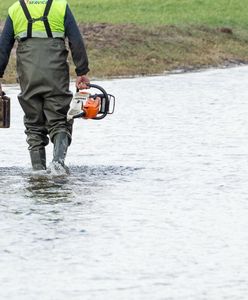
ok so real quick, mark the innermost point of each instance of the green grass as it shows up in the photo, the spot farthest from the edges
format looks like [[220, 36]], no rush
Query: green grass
[[157, 12], [132, 37]]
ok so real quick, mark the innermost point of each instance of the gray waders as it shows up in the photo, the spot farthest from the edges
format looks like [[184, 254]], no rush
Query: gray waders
[[43, 74]]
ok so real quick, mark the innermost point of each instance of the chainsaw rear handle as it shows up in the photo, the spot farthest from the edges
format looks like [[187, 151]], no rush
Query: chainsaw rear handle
[[102, 114]]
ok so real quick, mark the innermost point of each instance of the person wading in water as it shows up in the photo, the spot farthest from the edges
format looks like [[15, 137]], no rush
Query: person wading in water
[[40, 28]]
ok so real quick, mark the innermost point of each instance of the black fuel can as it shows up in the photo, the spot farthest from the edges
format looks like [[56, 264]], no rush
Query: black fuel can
[[4, 111]]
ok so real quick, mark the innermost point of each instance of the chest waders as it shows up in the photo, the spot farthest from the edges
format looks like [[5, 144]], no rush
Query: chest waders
[[43, 74]]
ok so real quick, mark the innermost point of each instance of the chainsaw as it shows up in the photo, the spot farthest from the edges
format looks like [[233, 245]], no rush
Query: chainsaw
[[94, 105]]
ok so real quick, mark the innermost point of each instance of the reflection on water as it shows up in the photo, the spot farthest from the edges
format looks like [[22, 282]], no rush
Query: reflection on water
[[47, 188], [50, 190]]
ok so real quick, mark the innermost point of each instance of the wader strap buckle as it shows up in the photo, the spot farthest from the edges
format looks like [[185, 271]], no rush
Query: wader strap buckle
[[33, 20]]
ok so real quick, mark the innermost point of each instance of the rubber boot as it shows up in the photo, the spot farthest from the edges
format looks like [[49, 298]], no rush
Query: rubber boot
[[38, 159], [61, 143]]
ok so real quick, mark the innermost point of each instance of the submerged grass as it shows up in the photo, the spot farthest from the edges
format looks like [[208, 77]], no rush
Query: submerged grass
[[126, 37]]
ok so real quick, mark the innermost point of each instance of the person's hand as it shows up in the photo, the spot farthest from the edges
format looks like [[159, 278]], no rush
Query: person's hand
[[82, 82]]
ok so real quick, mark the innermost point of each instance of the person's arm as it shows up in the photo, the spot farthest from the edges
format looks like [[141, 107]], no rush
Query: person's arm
[[77, 48], [7, 40]]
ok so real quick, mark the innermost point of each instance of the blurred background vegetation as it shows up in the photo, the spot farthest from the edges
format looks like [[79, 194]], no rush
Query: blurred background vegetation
[[127, 37], [157, 12]]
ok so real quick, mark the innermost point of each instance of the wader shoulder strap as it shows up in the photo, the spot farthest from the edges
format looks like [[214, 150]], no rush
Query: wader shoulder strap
[[32, 20], [29, 18], [45, 20]]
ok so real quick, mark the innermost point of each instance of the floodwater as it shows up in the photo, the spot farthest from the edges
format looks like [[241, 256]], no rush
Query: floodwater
[[155, 207]]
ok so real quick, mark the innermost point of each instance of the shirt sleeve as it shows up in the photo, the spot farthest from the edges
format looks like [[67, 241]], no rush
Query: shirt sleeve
[[7, 40], [76, 44]]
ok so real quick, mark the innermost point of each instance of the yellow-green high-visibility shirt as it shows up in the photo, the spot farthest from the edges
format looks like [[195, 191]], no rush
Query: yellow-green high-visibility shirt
[[36, 9]]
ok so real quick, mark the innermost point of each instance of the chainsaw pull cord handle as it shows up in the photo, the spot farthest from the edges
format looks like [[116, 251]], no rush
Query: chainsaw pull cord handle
[[103, 115]]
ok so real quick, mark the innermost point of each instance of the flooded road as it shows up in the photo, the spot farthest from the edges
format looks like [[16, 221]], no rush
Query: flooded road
[[155, 207]]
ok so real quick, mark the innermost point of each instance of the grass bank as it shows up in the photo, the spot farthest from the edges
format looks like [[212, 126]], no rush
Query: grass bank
[[157, 12], [125, 37]]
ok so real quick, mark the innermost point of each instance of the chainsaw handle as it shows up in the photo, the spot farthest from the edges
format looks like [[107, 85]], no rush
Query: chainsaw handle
[[95, 86]]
